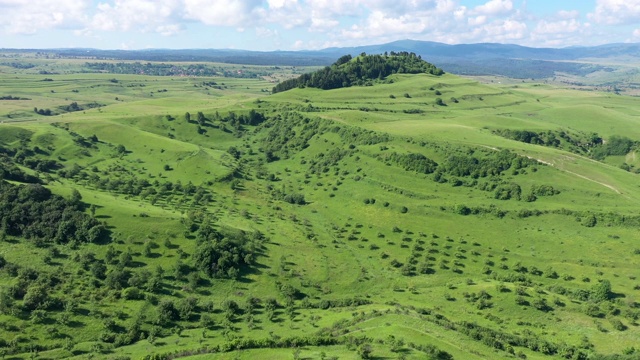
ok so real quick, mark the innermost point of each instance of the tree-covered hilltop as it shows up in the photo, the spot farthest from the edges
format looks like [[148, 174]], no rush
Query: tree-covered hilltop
[[348, 71]]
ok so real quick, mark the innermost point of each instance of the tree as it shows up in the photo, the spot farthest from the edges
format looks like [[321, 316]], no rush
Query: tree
[[201, 119], [38, 316], [166, 312], [186, 307], [590, 221], [99, 270], [601, 291], [187, 117], [117, 278], [35, 297], [364, 351], [75, 198], [148, 246], [6, 301]]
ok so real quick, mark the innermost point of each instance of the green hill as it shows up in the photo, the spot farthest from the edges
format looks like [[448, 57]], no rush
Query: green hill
[[359, 222], [362, 70]]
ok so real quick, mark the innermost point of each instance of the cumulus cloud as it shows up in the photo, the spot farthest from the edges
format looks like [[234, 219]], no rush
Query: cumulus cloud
[[478, 20], [380, 24], [30, 16], [558, 27], [145, 15], [501, 31], [221, 12], [494, 7], [266, 32], [318, 23], [562, 29], [613, 12], [568, 14]]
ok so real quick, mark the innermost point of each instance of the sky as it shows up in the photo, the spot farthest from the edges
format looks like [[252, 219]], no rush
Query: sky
[[312, 24]]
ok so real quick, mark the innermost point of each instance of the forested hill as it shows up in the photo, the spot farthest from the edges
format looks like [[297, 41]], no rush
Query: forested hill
[[348, 71]]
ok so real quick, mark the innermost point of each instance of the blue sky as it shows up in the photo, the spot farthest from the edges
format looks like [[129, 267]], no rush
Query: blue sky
[[312, 24]]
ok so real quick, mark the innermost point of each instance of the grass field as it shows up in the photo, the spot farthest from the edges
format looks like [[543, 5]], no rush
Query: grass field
[[381, 259]]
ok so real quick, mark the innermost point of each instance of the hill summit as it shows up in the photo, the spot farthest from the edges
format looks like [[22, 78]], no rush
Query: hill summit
[[361, 70]]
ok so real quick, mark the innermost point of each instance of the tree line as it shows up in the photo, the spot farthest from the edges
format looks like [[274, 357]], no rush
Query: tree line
[[162, 69]]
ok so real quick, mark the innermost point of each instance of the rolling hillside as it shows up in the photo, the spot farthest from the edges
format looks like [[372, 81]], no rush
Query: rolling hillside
[[418, 216]]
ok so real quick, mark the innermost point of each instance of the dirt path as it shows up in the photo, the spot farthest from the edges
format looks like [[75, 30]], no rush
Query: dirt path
[[610, 187], [578, 175]]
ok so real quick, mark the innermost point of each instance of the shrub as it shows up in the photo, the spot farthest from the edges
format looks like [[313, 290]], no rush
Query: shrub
[[617, 324]]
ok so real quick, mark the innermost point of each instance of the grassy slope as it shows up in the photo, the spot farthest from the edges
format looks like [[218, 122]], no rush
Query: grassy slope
[[333, 267]]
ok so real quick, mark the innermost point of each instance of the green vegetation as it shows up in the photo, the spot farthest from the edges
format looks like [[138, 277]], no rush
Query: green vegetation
[[205, 218], [361, 71], [156, 69]]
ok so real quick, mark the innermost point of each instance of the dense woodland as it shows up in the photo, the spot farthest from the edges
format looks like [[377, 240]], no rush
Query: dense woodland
[[362, 70], [33, 212]]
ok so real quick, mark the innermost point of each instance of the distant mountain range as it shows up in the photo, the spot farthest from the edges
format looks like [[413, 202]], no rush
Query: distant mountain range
[[471, 59], [484, 51]]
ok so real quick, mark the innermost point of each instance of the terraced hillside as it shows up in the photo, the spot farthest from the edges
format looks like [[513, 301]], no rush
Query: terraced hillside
[[422, 216]]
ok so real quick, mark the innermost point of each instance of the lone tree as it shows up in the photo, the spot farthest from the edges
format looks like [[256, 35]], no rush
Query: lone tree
[[365, 351], [201, 118], [601, 291]]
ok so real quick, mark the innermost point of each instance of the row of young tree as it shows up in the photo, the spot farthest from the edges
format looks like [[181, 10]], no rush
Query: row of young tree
[[365, 68], [252, 118]]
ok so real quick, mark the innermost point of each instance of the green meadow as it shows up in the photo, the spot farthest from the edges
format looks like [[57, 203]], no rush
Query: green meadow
[[367, 222]]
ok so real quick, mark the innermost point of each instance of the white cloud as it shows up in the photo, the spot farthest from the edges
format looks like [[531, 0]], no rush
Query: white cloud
[[446, 6], [502, 31], [278, 4], [169, 30], [167, 17], [613, 12], [30, 16], [144, 15], [221, 12], [266, 32], [558, 27], [478, 20], [568, 14], [636, 33], [494, 7], [379, 24], [320, 23], [460, 13]]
